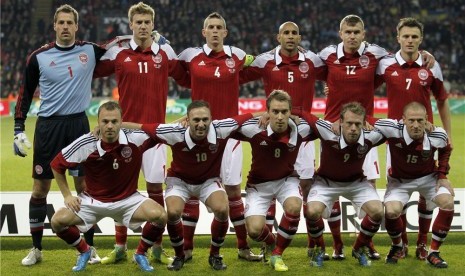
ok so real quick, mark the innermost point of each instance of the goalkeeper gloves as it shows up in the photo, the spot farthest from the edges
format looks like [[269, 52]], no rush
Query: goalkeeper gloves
[[158, 38], [21, 143]]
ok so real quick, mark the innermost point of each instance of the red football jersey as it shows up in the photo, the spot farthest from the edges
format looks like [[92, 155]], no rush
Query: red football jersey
[[273, 155], [215, 77], [351, 77], [296, 75], [111, 170], [414, 159], [338, 160], [408, 82], [195, 162], [142, 77]]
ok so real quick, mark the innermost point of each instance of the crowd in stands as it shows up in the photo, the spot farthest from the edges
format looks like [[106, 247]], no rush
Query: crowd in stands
[[252, 26]]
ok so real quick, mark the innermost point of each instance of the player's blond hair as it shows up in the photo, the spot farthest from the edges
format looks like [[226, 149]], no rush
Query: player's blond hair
[[197, 104], [354, 107], [280, 96], [409, 22], [66, 9], [214, 15], [351, 20], [141, 8]]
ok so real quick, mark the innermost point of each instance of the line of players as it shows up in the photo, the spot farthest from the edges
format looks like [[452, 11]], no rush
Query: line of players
[[351, 69]]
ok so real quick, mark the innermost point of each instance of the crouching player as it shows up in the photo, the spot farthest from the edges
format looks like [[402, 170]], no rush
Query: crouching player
[[112, 165]]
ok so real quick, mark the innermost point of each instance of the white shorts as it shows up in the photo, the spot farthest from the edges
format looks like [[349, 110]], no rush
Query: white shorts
[[154, 163], [371, 164], [92, 211], [179, 188], [305, 163], [231, 164], [259, 197], [327, 192], [402, 189]]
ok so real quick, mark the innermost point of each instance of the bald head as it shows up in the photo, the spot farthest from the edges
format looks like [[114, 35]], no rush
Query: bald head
[[282, 27]]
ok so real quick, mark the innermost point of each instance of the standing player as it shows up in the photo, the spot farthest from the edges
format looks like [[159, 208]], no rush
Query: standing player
[[408, 80], [142, 68], [414, 169], [351, 77], [346, 152], [63, 71], [197, 153], [290, 70], [272, 175], [214, 77], [112, 166]]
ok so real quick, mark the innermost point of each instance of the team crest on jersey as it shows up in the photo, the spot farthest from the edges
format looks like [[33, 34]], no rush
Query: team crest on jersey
[[157, 59], [126, 152], [38, 169], [83, 58], [213, 148], [230, 63], [303, 67], [423, 74], [425, 154], [364, 61], [362, 149]]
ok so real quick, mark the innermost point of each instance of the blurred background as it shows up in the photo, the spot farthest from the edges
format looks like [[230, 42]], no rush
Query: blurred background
[[252, 25]]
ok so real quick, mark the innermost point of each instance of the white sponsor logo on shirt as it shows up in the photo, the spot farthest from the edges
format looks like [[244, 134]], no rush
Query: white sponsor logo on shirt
[[395, 74], [202, 63], [276, 68], [128, 59], [263, 143]]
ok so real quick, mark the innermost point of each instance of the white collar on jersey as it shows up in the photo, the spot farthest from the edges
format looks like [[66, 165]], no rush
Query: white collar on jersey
[[211, 137], [155, 47], [293, 136], [401, 60], [122, 140], [340, 49], [278, 59], [226, 49], [409, 140], [343, 144]]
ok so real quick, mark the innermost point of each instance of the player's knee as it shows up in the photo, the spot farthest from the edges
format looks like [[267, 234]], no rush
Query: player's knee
[[157, 215], [59, 220], [254, 229], [445, 201], [221, 211], [174, 214]]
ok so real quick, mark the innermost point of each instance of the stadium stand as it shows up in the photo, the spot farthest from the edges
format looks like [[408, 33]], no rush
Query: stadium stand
[[252, 26]]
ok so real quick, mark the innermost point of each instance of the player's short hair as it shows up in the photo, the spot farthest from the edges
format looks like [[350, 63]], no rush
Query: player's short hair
[[414, 106], [354, 107], [197, 104], [110, 105], [351, 20], [66, 9], [141, 8], [409, 22], [214, 15], [288, 22], [280, 96]]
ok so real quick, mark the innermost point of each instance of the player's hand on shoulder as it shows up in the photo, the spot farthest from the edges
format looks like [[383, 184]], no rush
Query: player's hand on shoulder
[[96, 132], [368, 126], [159, 39], [336, 127], [21, 143], [302, 49], [428, 59], [295, 118], [264, 121]]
